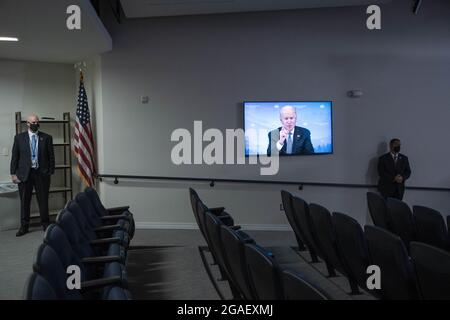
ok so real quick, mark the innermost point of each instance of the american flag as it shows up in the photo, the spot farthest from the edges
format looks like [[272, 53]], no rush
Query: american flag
[[83, 139]]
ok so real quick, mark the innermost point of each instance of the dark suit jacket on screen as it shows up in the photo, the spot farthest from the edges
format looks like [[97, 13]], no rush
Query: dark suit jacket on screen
[[301, 143]]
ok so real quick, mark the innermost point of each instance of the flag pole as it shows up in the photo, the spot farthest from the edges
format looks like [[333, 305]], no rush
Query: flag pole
[[83, 136], [79, 66]]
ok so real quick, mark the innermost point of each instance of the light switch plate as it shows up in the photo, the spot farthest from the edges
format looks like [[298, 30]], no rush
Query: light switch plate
[[5, 151]]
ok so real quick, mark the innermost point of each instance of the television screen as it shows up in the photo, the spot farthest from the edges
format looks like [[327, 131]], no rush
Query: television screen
[[288, 127]]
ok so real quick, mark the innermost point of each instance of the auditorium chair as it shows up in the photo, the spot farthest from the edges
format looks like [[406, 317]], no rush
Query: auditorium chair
[[430, 227], [194, 199], [37, 288], [94, 233], [95, 222], [223, 216], [297, 287], [233, 242], [91, 267], [448, 224], [213, 229], [378, 210], [111, 215], [352, 246], [85, 247], [388, 252], [402, 220], [301, 215], [264, 273], [116, 293], [326, 239], [432, 266], [199, 208], [286, 199], [49, 266]]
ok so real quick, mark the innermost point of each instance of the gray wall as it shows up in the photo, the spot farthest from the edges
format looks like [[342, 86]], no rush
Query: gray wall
[[31, 87], [203, 67], [46, 89]]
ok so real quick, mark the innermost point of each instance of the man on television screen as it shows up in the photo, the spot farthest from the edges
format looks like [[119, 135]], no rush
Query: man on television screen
[[289, 139]]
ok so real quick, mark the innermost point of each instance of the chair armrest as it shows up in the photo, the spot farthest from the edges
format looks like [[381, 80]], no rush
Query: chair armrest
[[216, 210], [105, 241], [98, 283], [110, 227], [244, 236], [117, 210], [100, 259], [115, 217], [226, 220]]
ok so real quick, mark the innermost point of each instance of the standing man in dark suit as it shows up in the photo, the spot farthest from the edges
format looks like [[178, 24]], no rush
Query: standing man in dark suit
[[289, 139], [32, 164], [393, 170]]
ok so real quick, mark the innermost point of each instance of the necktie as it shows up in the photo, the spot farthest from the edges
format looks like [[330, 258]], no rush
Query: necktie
[[395, 158], [289, 144], [33, 151]]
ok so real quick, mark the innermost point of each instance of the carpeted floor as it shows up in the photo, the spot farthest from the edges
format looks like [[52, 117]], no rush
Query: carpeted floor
[[16, 260], [162, 264], [17, 255], [169, 273], [177, 273]]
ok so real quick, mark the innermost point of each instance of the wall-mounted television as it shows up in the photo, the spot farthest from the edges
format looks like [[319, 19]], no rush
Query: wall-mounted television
[[288, 127]]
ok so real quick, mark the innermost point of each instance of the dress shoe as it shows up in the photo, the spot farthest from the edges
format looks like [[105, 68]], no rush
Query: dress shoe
[[22, 231]]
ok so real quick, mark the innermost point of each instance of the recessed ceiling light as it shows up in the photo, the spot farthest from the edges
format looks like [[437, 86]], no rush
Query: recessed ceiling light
[[9, 39]]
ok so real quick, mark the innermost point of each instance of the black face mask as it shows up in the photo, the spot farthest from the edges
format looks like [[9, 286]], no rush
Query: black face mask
[[34, 127], [396, 149]]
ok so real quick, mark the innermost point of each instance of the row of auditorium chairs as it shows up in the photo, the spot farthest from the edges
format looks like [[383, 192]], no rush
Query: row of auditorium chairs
[[252, 272], [421, 224], [90, 237], [423, 272]]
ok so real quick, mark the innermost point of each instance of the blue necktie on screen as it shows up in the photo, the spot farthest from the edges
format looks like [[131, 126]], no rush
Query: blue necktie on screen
[[33, 151], [289, 144]]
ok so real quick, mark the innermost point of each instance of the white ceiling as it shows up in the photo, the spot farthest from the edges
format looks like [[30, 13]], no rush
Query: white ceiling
[[41, 28], [156, 8]]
